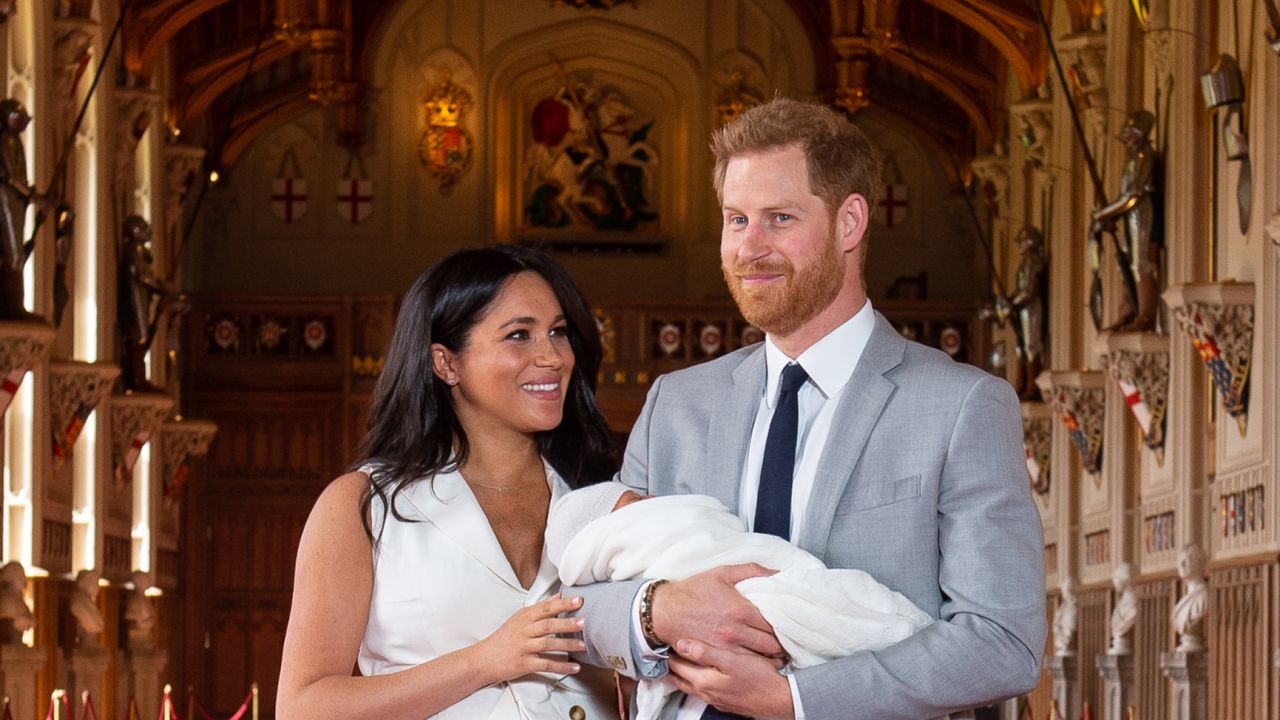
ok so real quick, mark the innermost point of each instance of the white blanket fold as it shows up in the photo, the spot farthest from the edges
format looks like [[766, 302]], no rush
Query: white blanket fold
[[818, 614]]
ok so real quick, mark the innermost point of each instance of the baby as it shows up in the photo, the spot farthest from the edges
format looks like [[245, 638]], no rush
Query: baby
[[603, 532]]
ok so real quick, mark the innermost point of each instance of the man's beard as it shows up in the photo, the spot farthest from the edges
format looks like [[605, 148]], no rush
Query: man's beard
[[780, 308]]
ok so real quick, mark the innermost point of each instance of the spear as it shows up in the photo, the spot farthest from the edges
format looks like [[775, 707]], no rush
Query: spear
[[1099, 192]]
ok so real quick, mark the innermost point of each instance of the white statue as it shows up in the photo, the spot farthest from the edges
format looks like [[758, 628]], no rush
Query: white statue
[[138, 612], [1125, 612], [1194, 603], [84, 607], [13, 605], [1064, 618]]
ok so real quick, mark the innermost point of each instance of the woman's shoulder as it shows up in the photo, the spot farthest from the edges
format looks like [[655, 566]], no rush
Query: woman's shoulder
[[339, 503]]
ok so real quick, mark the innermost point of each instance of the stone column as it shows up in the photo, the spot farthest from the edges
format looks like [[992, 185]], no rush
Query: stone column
[[1189, 673], [1117, 679], [85, 668], [1066, 683], [18, 667], [141, 680]]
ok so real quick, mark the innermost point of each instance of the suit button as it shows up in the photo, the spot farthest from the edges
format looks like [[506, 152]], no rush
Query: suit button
[[577, 713]]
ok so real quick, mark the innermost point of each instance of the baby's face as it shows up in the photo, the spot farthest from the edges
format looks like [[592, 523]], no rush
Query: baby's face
[[627, 498]]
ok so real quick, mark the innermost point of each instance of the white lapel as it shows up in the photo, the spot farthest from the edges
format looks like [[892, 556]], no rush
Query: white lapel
[[448, 503]]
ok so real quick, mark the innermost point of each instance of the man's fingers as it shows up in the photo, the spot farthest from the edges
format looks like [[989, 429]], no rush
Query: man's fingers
[[734, 574], [760, 642], [702, 654]]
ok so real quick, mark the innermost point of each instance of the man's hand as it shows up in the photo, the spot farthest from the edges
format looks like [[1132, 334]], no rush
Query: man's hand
[[736, 682], [706, 607]]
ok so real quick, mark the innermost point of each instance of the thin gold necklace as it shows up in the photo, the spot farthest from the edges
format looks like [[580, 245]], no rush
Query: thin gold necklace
[[495, 488]]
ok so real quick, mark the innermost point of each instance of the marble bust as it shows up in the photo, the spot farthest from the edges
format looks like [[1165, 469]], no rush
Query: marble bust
[[1194, 603], [1064, 618], [14, 612], [1125, 613]]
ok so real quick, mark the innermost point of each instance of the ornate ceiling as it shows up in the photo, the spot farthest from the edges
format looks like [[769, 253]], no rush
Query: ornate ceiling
[[940, 64]]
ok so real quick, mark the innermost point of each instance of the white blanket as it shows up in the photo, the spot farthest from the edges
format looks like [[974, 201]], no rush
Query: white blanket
[[818, 614]]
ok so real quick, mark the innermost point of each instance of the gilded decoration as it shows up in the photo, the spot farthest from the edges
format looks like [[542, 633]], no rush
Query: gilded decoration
[[183, 442], [589, 166], [1219, 318], [23, 343], [135, 417], [75, 389], [734, 98], [1077, 399], [1139, 364], [445, 145], [1037, 435]]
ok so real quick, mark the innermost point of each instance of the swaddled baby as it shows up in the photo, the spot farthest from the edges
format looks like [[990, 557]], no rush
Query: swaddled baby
[[602, 533]]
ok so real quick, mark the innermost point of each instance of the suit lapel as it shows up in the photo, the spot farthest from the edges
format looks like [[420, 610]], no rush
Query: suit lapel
[[732, 419], [861, 403], [448, 503]]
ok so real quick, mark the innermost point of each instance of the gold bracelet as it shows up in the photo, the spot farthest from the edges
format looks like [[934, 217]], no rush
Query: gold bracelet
[[646, 614]]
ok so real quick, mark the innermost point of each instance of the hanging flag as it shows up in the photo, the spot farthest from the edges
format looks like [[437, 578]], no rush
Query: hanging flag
[[289, 190], [9, 387], [124, 470], [355, 191]]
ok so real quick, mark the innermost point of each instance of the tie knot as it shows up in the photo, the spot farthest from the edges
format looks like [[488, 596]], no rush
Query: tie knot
[[793, 376]]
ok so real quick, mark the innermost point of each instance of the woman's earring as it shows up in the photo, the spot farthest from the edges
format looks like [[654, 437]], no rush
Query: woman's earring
[[452, 381]]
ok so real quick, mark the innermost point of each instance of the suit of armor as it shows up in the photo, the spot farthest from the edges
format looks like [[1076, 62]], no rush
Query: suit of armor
[[15, 194]]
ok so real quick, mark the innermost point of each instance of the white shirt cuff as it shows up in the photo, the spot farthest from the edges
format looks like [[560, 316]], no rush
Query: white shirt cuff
[[795, 697]]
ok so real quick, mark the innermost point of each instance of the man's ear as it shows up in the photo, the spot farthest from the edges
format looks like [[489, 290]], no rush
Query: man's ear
[[851, 222], [443, 364]]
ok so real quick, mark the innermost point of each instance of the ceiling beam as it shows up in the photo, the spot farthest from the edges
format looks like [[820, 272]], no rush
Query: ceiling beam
[[961, 96], [1026, 65], [283, 104], [150, 27], [215, 75]]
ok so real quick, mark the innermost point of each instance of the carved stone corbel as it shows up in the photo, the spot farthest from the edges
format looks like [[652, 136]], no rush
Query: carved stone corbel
[[72, 41], [1035, 129], [1037, 435], [1085, 54], [23, 344], [1218, 317], [1076, 397], [1139, 363], [134, 107], [75, 389], [180, 162], [183, 441], [993, 170], [135, 416]]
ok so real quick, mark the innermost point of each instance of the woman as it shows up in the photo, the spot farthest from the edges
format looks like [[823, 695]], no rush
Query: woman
[[484, 415]]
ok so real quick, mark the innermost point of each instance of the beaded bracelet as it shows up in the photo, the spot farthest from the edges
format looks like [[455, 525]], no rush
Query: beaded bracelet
[[646, 614]]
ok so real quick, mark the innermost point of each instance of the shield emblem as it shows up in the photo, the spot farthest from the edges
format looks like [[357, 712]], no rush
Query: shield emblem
[[355, 199], [289, 198]]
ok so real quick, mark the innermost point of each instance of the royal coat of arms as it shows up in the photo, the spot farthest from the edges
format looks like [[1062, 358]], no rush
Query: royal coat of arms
[[444, 146]]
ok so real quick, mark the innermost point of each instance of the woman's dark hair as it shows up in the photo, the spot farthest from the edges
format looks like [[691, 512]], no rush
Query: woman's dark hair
[[412, 423]]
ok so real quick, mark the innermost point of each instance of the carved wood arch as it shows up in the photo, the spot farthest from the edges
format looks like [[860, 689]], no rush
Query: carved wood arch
[[216, 75], [992, 24], [243, 134], [954, 92], [151, 26]]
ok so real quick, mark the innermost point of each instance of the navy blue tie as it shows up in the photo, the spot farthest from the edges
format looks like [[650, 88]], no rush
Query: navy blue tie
[[773, 500]]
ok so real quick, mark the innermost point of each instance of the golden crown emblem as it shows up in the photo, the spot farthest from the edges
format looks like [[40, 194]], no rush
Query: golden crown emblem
[[446, 103]]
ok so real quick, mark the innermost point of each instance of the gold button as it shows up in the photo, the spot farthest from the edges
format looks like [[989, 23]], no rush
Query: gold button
[[577, 713]]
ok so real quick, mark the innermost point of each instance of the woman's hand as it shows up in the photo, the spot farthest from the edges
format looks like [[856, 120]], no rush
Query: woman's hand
[[524, 642]]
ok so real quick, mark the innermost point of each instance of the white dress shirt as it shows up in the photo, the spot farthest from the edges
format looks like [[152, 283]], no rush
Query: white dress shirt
[[829, 364]]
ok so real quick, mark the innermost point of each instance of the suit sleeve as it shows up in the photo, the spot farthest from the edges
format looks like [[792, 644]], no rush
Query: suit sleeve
[[987, 644], [606, 606]]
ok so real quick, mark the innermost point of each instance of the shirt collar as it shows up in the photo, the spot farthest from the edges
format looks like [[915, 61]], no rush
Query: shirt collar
[[829, 362]]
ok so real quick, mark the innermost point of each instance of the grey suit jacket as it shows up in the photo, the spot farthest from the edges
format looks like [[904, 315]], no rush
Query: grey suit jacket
[[923, 484]]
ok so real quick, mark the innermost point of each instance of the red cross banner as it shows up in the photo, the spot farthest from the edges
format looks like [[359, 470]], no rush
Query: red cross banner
[[289, 190], [892, 205], [355, 199], [289, 198]]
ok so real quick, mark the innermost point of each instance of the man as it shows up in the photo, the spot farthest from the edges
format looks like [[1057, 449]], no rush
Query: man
[[869, 451]]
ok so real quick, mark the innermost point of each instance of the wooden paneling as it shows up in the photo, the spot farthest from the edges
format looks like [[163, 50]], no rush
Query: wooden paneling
[[1092, 639], [1237, 631], [1152, 635]]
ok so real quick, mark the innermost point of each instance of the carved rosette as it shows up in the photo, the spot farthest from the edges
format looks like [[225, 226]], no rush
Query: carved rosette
[[23, 343], [1077, 398], [183, 441], [75, 389], [135, 416], [1037, 435], [1139, 364], [1218, 317], [1035, 129]]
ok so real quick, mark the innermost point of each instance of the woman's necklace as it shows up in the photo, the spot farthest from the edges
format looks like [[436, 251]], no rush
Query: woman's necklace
[[495, 488]]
